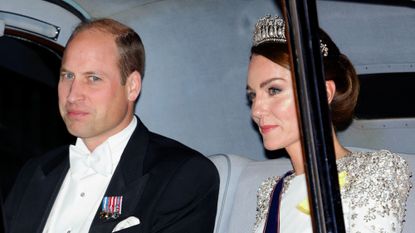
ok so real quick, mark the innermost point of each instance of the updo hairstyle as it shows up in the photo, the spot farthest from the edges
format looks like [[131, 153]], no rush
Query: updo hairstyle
[[337, 67]]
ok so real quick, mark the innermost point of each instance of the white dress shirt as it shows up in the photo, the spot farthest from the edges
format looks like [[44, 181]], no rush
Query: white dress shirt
[[84, 186]]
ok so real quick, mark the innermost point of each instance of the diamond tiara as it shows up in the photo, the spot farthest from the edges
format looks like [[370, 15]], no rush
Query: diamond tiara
[[269, 28]]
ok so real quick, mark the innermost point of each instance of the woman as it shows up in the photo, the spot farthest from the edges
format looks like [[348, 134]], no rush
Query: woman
[[374, 185]]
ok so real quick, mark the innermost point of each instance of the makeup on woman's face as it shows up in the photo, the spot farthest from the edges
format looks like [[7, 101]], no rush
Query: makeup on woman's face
[[273, 109]]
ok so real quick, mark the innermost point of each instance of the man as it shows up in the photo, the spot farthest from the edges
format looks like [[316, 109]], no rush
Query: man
[[118, 175]]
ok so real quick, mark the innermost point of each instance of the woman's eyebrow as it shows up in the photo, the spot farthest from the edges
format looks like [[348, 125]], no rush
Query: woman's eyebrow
[[266, 82]]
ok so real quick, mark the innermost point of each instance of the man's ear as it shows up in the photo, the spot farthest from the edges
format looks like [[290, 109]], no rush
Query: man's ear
[[133, 86], [331, 90]]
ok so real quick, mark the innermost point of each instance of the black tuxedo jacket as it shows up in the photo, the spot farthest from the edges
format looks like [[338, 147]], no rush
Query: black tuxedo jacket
[[169, 187]]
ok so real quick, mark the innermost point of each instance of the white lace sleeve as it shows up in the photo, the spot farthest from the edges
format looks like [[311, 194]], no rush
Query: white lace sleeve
[[377, 189]]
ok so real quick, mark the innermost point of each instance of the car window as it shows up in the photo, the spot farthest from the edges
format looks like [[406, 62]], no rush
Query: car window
[[386, 96]]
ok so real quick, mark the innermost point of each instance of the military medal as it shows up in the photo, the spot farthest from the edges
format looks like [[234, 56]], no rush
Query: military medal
[[111, 207]]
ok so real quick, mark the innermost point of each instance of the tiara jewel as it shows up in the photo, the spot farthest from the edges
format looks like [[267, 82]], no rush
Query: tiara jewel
[[269, 28]]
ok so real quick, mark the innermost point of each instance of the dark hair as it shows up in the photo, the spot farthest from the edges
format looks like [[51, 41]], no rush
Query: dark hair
[[130, 47], [337, 67]]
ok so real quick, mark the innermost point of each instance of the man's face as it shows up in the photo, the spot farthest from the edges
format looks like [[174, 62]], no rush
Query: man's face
[[92, 101]]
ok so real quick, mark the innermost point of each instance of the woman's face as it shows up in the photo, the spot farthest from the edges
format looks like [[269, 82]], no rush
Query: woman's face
[[273, 108]]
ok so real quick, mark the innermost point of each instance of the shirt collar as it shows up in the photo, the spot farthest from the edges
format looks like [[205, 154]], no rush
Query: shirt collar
[[116, 143]]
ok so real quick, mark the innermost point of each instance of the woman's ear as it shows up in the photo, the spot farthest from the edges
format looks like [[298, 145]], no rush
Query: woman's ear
[[331, 90], [133, 86]]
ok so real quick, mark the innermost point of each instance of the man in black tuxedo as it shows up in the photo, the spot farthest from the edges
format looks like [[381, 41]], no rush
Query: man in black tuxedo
[[118, 177]]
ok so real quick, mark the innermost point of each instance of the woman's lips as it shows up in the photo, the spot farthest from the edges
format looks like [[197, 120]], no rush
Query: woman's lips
[[267, 128]]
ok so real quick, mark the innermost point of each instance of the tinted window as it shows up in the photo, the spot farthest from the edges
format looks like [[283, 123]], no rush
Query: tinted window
[[30, 123], [386, 96]]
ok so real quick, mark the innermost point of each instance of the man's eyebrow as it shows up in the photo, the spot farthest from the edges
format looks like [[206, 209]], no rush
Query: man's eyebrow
[[62, 69]]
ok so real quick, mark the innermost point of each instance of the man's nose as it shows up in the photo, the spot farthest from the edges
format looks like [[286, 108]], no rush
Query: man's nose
[[75, 91]]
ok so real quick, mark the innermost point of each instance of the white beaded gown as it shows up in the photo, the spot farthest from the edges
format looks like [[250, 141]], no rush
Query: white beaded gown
[[374, 193]]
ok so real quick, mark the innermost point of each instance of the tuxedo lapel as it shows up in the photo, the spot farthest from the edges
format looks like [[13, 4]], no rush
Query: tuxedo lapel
[[41, 193], [128, 180]]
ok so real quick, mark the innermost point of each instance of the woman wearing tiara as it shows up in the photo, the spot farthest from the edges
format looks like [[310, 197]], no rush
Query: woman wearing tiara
[[374, 185]]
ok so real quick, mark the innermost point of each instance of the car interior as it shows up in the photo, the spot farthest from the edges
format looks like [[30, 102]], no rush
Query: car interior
[[194, 88]]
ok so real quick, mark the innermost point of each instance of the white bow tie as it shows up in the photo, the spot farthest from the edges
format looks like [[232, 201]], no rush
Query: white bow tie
[[99, 160]]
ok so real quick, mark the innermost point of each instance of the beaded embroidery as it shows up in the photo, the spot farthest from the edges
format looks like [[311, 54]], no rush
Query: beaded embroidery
[[264, 196], [377, 182]]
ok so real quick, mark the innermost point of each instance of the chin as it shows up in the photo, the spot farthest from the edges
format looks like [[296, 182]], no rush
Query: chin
[[76, 130], [271, 146]]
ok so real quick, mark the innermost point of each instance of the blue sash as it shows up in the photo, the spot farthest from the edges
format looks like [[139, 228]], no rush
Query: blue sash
[[272, 224]]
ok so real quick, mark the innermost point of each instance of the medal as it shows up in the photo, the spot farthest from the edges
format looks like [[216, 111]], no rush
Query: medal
[[111, 207]]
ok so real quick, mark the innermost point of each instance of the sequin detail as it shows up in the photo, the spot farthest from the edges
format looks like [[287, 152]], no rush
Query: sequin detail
[[376, 189], [264, 196], [377, 183], [263, 199]]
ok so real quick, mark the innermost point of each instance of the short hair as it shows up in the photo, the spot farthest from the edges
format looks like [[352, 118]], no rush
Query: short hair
[[130, 46], [337, 67]]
